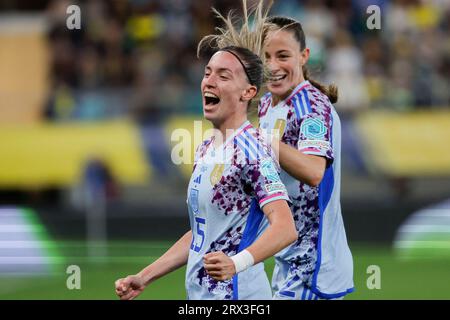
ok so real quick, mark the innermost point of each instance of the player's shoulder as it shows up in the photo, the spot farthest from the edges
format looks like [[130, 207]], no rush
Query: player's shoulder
[[265, 153], [317, 98], [308, 100], [253, 144], [258, 135]]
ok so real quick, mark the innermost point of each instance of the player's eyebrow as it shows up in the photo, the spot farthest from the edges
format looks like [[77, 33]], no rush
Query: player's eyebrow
[[220, 70], [282, 51], [225, 70]]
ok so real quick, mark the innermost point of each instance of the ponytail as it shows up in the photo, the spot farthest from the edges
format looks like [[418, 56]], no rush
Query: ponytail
[[330, 91]]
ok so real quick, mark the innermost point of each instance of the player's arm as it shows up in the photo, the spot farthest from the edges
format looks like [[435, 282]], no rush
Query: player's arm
[[303, 167], [279, 234], [174, 258], [307, 161]]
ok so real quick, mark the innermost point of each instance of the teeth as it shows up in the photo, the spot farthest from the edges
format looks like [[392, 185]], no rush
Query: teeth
[[210, 95], [277, 78]]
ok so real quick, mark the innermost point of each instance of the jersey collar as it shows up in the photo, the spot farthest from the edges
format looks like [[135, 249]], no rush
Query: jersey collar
[[296, 90], [245, 126]]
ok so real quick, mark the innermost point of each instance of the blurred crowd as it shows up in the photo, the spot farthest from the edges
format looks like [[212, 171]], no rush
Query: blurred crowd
[[139, 57]]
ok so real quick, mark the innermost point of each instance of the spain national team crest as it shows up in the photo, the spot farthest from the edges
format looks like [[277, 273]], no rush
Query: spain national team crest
[[216, 174], [193, 199], [279, 127]]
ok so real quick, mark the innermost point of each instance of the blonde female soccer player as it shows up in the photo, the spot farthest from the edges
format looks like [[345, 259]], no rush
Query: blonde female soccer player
[[234, 187]]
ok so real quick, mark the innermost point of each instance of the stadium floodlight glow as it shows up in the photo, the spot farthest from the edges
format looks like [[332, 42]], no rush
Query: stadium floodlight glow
[[25, 248], [426, 233]]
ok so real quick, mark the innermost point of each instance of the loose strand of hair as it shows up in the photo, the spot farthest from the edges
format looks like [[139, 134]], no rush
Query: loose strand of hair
[[229, 35], [331, 91]]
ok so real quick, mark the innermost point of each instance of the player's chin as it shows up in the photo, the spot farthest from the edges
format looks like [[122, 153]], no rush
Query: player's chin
[[209, 115], [278, 89]]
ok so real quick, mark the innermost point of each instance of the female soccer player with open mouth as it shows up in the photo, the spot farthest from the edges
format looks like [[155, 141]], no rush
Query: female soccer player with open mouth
[[234, 186]]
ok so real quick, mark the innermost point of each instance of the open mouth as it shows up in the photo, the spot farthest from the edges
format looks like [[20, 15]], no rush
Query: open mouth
[[211, 98], [277, 78]]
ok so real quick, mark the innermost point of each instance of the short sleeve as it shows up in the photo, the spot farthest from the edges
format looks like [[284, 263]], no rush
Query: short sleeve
[[316, 134], [265, 181]]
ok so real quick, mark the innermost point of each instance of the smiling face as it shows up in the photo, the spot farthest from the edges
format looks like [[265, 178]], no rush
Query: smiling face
[[284, 59], [225, 88]]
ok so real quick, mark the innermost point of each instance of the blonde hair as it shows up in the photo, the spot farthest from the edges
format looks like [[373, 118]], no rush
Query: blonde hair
[[245, 41], [248, 37]]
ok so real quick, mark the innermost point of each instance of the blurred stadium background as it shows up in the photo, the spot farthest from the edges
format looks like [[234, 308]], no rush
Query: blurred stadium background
[[86, 118]]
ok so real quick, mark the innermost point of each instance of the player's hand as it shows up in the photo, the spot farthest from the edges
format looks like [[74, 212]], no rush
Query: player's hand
[[130, 287], [219, 266]]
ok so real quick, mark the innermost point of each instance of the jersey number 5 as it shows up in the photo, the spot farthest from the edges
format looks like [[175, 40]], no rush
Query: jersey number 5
[[200, 234]]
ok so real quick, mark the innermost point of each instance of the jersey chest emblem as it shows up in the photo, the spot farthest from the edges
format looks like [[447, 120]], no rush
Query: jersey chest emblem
[[216, 173], [193, 199], [280, 125]]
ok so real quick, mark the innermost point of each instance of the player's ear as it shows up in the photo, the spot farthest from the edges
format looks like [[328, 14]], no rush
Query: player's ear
[[304, 56], [249, 93]]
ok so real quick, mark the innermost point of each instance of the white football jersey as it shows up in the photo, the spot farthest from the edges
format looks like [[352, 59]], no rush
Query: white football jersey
[[320, 258], [229, 186]]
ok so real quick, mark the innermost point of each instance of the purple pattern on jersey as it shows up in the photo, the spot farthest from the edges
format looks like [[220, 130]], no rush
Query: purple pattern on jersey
[[305, 202], [241, 182], [306, 214], [214, 286], [321, 110], [229, 245], [264, 105], [292, 132], [229, 195], [200, 152]]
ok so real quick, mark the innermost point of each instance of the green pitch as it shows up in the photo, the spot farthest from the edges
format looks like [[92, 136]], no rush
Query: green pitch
[[418, 278]]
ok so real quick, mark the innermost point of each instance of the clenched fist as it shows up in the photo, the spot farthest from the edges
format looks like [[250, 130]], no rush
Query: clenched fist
[[130, 287], [219, 266]]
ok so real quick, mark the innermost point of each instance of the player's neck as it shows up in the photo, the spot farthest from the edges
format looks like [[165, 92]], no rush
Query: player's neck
[[277, 99], [228, 128]]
